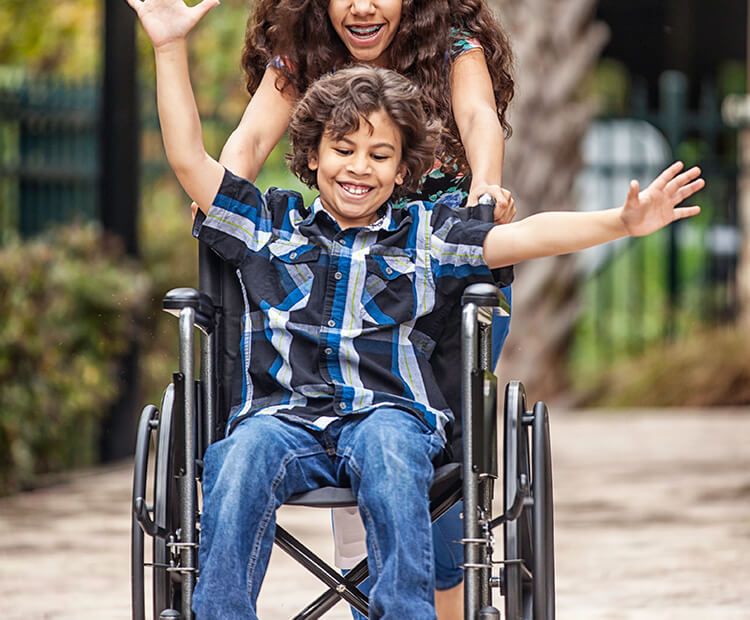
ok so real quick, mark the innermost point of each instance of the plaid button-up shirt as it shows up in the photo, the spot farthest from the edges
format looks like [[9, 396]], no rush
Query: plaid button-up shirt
[[339, 322]]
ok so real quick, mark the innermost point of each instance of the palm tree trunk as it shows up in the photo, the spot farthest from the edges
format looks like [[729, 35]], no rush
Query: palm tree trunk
[[556, 43]]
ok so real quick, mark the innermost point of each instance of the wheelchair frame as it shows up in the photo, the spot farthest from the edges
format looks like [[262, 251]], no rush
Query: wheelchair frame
[[188, 421]]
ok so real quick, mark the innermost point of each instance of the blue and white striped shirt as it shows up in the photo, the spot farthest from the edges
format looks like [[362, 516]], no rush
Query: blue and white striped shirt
[[341, 322]]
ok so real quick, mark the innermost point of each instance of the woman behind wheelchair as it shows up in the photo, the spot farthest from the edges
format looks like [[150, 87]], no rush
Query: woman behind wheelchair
[[355, 165]]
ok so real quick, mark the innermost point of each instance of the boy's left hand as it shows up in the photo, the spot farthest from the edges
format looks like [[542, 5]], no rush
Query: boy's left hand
[[653, 208]]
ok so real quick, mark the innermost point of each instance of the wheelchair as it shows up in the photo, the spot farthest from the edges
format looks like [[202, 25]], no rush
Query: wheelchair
[[193, 415]]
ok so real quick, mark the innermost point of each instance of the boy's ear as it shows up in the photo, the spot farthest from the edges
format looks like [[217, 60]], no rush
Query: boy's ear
[[312, 161], [400, 173]]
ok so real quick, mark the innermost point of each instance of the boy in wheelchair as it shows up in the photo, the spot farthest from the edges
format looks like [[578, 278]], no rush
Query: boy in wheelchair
[[343, 304]]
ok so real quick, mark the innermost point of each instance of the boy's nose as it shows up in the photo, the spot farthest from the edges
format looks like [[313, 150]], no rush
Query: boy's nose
[[359, 164]]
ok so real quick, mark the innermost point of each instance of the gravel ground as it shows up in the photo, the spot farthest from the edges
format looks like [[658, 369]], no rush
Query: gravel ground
[[652, 521]]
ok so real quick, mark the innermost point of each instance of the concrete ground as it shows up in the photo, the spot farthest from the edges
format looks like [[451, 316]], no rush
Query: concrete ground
[[652, 521]]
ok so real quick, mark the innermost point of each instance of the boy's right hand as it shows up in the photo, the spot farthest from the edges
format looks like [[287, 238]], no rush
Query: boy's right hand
[[169, 20]]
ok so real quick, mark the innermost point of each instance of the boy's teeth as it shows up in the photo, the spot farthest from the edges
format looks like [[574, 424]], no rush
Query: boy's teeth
[[355, 189]]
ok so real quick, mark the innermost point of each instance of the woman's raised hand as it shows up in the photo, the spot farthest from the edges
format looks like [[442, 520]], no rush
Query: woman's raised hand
[[168, 20], [653, 208]]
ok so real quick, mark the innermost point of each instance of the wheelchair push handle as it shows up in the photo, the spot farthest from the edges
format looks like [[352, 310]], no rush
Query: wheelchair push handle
[[486, 200]]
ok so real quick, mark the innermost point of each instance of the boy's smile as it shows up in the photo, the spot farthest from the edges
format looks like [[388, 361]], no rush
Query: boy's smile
[[356, 173], [366, 27]]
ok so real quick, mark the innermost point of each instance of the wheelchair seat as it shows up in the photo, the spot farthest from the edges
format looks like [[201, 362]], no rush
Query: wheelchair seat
[[337, 497]]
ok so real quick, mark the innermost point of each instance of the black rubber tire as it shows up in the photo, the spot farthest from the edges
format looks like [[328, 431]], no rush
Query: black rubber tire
[[544, 542], [518, 541], [166, 585], [137, 536]]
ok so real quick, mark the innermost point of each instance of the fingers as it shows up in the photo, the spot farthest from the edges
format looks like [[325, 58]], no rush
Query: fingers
[[503, 216], [205, 6], [689, 190], [684, 178], [633, 191], [667, 175], [683, 212], [505, 208]]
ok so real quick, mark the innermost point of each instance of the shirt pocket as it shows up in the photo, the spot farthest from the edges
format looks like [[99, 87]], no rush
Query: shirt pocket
[[388, 296], [293, 268]]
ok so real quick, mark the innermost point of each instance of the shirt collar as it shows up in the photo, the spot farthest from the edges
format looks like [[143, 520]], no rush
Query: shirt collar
[[385, 219]]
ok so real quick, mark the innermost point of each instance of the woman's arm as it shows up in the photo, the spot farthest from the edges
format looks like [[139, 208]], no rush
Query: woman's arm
[[264, 122], [481, 134], [552, 233]]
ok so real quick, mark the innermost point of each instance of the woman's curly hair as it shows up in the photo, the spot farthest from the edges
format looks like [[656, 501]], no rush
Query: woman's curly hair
[[300, 32], [337, 103]]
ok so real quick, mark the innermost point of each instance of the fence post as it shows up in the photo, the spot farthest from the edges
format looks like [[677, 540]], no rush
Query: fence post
[[672, 112], [119, 193]]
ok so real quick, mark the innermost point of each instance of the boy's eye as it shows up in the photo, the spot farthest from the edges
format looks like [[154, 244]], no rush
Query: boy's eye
[[379, 157], [342, 151]]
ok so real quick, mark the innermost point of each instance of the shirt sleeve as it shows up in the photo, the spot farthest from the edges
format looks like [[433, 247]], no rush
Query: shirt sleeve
[[238, 221], [462, 43], [457, 245], [283, 63]]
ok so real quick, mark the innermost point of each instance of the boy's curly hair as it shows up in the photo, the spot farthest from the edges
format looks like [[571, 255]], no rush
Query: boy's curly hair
[[338, 102], [301, 32]]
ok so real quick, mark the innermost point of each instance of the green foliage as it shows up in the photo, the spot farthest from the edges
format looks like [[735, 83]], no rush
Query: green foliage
[[44, 36], [708, 367], [609, 86], [70, 306]]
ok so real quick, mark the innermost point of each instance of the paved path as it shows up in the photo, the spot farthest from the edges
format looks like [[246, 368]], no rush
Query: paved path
[[652, 522]]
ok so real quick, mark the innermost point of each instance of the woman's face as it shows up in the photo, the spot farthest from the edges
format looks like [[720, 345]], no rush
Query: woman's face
[[367, 27]]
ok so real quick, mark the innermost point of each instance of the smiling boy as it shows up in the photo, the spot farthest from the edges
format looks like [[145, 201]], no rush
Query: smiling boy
[[344, 301]]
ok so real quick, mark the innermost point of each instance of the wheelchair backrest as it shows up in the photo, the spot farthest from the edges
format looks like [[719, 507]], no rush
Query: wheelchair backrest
[[219, 280]]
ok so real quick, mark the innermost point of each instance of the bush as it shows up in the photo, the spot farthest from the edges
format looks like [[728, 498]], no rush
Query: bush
[[709, 367], [70, 303]]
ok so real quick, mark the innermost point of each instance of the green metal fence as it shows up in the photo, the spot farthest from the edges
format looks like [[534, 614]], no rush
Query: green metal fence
[[48, 154], [644, 291]]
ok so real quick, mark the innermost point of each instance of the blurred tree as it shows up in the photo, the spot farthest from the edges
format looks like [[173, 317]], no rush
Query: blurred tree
[[51, 37], [556, 43]]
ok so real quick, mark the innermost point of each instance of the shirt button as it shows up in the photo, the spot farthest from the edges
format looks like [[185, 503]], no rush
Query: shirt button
[[331, 323], [293, 255], [342, 405], [328, 350], [388, 270], [338, 275]]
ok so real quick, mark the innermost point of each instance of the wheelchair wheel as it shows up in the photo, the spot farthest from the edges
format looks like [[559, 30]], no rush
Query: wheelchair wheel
[[544, 542], [517, 577], [529, 581], [146, 423], [166, 583]]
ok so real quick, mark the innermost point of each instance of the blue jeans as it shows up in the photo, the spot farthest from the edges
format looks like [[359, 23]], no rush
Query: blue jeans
[[449, 528], [385, 456]]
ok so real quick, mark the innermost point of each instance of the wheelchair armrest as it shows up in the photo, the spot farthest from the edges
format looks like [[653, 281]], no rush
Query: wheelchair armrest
[[485, 295], [179, 298]]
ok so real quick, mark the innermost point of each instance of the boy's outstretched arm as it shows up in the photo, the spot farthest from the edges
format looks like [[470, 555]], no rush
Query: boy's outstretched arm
[[167, 23], [559, 232]]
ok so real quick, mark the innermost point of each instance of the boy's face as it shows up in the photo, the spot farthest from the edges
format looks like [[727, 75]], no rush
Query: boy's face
[[356, 174], [366, 27]]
